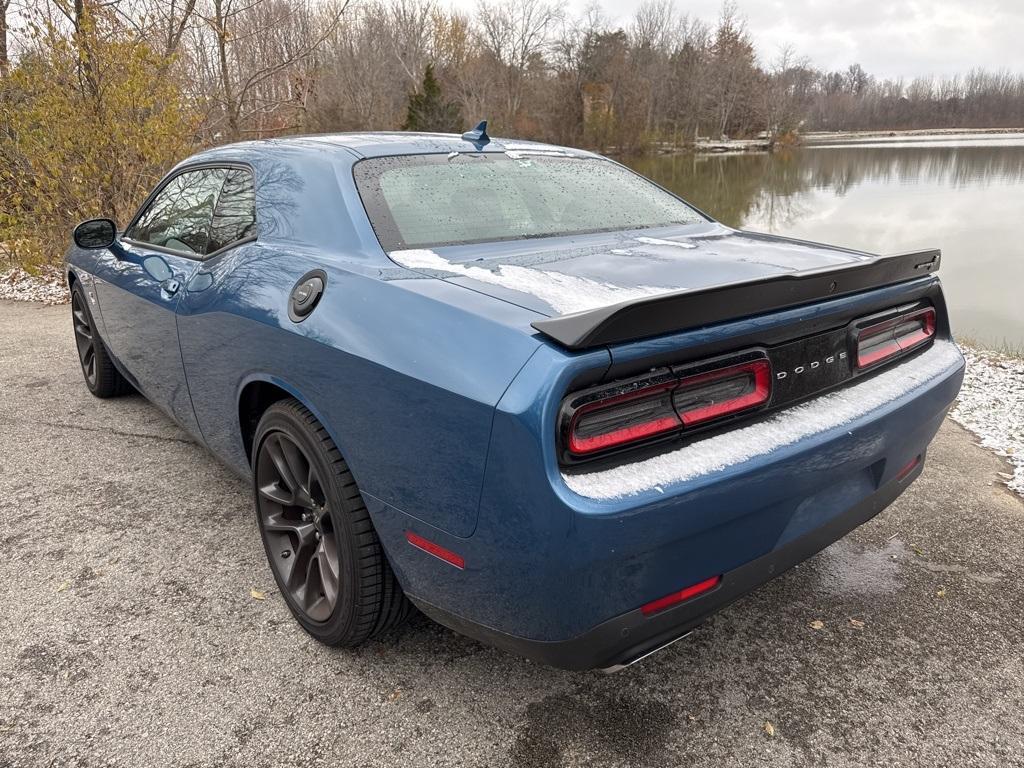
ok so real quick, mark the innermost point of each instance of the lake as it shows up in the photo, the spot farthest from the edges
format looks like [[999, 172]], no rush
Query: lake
[[963, 195]]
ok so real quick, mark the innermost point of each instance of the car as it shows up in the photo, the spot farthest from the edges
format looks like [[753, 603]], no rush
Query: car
[[514, 385]]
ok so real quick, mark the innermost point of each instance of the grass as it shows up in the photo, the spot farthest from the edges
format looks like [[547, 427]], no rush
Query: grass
[[1005, 348]]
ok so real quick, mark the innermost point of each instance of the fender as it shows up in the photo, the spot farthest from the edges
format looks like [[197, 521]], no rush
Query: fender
[[295, 392]]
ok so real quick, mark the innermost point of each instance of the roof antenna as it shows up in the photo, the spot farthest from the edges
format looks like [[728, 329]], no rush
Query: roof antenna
[[478, 135]]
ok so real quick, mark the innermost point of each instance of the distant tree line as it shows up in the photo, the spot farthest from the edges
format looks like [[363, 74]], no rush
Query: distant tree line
[[853, 100], [99, 97]]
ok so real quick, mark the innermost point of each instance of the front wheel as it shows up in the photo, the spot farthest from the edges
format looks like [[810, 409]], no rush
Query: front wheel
[[322, 547], [101, 377]]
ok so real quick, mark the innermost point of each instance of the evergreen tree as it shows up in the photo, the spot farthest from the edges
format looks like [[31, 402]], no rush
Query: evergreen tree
[[428, 110]]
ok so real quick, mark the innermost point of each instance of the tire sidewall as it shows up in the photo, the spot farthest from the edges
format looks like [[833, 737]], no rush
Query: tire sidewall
[[77, 291], [342, 622]]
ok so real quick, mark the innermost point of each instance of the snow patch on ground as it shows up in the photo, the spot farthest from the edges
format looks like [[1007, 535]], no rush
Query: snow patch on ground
[[48, 286], [565, 293], [787, 427], [991, 405]]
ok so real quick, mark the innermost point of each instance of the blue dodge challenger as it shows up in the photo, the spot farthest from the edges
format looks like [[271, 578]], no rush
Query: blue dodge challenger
[[515, 385]]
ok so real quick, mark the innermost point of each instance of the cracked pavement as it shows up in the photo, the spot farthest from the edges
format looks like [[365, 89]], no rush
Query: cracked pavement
[[128, 635]]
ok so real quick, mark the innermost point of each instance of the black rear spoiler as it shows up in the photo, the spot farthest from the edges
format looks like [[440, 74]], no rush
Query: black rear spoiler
[[681, 310]]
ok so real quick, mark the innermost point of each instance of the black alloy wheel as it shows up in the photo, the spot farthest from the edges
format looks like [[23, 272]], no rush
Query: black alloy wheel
[[298, 527], [321, 545], [85, 338], [101, 376]]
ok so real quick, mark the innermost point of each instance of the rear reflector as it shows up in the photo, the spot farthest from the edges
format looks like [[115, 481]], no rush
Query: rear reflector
[[908, 469], [435, 549], [681, 596], [882, 341]]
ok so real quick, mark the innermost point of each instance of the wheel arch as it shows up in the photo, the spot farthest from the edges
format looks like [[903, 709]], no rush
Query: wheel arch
[[260, 391], [76, 274]]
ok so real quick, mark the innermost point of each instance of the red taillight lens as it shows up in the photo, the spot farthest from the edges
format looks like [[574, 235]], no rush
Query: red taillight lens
[[884, 340], [623, 419], [915, 328], [682, 595], [726, 391], [669, 405]]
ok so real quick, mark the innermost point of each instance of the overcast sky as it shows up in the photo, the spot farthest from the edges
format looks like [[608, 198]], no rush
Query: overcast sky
[[900, 38]]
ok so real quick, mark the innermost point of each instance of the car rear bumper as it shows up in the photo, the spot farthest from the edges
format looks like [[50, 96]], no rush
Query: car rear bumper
[[629, 637], [561, 578]]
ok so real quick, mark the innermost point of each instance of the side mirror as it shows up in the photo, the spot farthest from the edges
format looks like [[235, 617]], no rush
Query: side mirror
[[95, 233]]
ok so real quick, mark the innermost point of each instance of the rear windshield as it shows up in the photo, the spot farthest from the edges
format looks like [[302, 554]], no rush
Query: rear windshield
[[420, 201]]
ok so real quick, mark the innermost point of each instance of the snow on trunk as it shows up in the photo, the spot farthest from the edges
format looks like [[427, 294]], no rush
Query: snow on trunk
[[713, 454]]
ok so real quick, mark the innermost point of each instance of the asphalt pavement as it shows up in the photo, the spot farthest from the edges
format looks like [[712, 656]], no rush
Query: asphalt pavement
[[130, 636]]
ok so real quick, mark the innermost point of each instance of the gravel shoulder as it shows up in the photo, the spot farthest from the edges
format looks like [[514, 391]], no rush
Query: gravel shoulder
[[129, 635]]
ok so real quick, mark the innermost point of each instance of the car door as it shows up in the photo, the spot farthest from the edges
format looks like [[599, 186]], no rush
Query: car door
[[214, 319], [140, 284]]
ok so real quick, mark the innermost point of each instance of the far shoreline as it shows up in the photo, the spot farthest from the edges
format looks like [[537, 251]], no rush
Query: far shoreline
[[706, 146], [814, 138]]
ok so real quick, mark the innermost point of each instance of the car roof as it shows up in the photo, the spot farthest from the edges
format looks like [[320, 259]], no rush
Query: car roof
[[355, 146], [298, 177]]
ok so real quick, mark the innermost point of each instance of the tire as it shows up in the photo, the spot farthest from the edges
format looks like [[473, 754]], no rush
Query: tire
[[310, 513], [101, 377]]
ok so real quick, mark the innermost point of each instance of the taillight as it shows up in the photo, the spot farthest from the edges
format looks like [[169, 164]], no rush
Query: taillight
[[665, 402], [915, 328], [623, 419], [726, 391], [884, 340]]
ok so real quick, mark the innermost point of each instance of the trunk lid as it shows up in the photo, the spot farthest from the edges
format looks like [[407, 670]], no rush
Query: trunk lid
[[565, 275], [560, 275], [626, 286]]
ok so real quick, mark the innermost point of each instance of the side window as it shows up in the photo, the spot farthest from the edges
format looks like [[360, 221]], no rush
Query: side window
[[235, 216], [179, 217]]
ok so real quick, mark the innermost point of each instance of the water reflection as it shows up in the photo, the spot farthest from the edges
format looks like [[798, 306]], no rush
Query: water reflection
[[965, 199]]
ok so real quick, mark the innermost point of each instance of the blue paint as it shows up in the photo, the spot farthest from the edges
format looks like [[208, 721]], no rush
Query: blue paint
[[444, 400]]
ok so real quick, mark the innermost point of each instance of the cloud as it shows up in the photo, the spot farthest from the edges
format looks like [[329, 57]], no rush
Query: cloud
[[902, 38]]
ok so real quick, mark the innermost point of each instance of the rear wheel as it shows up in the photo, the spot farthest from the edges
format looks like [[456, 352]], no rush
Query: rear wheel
[[321, 545], [101, 377]]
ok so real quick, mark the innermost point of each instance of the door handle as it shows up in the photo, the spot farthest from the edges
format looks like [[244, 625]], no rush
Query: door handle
[[170, 286]]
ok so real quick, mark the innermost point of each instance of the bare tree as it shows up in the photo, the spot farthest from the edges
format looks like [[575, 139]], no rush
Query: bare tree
[[5, 6], [783, 93], [173, 17], [515, 33], [734, 70], [257, 45], [410, 37], [375, 57]]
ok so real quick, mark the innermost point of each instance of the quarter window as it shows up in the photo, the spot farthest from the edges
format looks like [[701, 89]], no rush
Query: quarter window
[[179, 216], [234, 218]]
